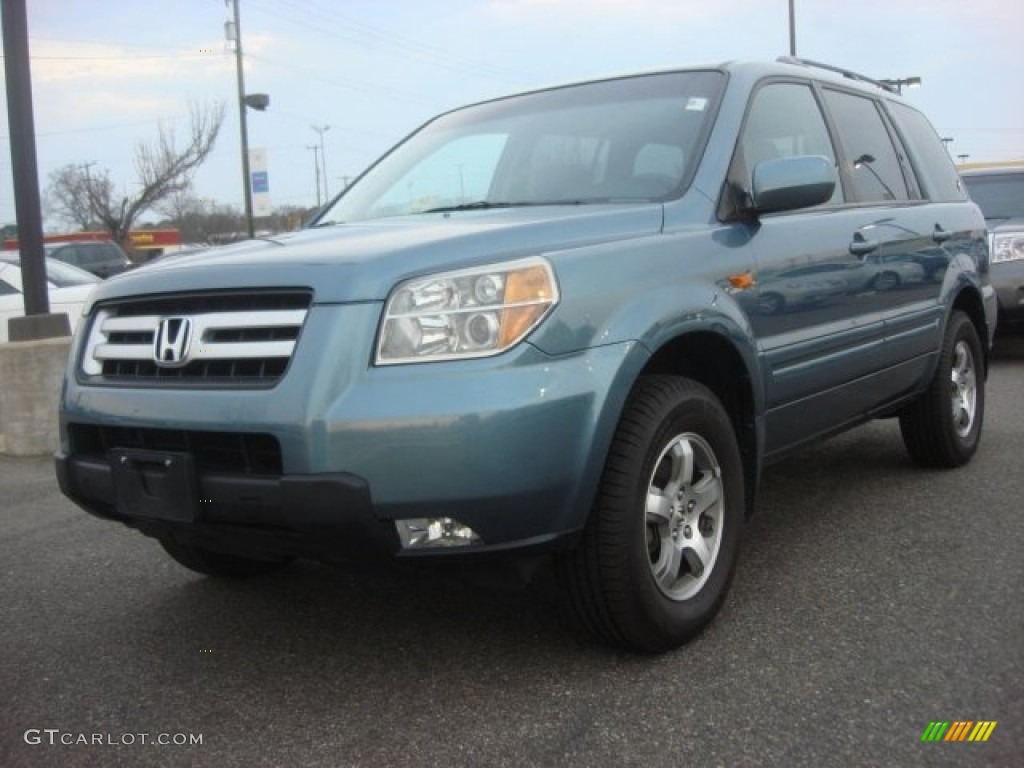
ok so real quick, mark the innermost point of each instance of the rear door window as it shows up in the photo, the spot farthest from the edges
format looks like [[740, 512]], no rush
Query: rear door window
[[871, 158]]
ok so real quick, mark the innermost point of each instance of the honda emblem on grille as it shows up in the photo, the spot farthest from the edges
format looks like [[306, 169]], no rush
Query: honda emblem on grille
[[173, 338]]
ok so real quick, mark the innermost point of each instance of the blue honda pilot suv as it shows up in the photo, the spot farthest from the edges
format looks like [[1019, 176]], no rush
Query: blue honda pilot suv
[[575, 324]]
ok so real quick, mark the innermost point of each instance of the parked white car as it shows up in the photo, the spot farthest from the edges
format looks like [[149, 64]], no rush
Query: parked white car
[[68, 288]]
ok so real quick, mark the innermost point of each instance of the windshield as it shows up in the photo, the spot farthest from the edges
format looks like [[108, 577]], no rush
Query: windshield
[[58, 273], [630, 140], [63, 275], [1000, 196]]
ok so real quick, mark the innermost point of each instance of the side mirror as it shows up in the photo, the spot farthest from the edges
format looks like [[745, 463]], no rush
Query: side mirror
[[790, 183]]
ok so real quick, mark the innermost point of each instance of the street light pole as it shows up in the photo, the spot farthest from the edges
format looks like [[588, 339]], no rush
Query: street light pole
[[243, 127], [321, 129], [316, 170], [792, 29]]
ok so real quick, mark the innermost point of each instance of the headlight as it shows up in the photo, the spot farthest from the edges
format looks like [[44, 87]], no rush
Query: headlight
[[467, 313], [1008, 247]]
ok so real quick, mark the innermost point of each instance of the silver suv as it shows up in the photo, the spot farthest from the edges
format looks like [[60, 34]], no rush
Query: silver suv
[[999, 192]]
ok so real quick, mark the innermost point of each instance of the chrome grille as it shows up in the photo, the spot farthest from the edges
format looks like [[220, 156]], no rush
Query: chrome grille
[[234, 339]]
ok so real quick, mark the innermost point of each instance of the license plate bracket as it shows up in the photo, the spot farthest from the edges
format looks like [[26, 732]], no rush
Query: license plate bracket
[[160, 485]]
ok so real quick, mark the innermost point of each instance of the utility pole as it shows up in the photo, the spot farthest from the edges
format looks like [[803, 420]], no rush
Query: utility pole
[[243, 127], [321, 129], [88, 189]]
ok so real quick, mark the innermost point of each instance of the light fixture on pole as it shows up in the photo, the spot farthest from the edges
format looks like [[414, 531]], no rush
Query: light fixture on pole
[[322, 129], [899, 83]]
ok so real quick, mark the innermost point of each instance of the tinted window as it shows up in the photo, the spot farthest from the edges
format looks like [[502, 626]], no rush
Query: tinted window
[[1000, 196], [871, 158], [66, 254], [784, 121], [7, 289], [91, 255], [934, 168]]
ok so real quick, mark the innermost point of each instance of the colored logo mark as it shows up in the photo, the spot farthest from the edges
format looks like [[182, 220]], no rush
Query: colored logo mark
[[959, 730]]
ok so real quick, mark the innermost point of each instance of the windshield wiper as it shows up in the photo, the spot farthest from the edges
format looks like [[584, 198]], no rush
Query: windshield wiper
[[476, 205], [483, 205]]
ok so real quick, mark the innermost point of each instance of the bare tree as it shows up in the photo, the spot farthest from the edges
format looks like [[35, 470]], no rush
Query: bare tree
[[179, 205], [163, 169], [67, 196]]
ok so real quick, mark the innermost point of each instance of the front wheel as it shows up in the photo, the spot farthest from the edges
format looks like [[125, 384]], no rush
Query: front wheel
[[660, 547], [943, 426], [211, 563]]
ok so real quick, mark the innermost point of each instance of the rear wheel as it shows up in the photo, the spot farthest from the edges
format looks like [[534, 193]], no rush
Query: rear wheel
[[942, 427], [660, 547], [211, 563]]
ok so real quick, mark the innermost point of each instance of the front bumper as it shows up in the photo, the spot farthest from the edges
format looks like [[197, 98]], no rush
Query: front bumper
[[1008, 280], [326, 517], [512, 446]]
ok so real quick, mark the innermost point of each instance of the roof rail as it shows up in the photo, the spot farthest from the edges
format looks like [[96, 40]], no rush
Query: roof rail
[[839, 70]]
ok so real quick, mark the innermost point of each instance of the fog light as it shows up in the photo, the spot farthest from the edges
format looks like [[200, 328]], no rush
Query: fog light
[[422, 532]]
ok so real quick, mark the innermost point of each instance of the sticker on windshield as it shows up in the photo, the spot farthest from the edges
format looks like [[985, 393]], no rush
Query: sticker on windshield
[[696, 104]]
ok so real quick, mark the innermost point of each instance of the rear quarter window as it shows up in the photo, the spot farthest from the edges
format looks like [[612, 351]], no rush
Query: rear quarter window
[[932, 164]]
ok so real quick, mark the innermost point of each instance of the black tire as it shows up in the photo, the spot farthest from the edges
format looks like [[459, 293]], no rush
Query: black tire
[[221, 564], [942, 427], [887, 281], [626, 580]]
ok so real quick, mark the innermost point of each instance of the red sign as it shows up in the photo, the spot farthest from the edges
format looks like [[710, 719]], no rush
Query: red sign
[[139, 239]]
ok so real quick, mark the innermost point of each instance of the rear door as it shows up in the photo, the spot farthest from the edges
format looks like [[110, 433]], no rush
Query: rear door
[[903, 240]]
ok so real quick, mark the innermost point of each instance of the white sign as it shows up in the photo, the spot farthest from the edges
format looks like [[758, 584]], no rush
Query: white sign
[[259, 182]]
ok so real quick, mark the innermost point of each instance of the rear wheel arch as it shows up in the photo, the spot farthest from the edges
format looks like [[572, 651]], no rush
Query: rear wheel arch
[[970, 303]]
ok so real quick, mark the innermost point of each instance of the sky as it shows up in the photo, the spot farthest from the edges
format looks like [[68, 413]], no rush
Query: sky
[[108, 73]]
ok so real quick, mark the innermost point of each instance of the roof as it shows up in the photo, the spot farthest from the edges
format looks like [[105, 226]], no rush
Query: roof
[[992, 169]]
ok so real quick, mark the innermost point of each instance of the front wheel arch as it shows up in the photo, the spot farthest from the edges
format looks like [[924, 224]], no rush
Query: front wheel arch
[[716, 362]]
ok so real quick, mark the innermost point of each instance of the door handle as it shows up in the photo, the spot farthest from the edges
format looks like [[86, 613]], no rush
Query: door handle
[[940, 235], [862, 247]]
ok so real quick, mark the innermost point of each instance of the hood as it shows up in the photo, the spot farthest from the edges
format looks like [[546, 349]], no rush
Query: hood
[[364, 260], [1014, 224]]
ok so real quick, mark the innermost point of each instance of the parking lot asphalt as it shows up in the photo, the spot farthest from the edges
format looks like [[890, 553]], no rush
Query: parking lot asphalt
[[872, 598]]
